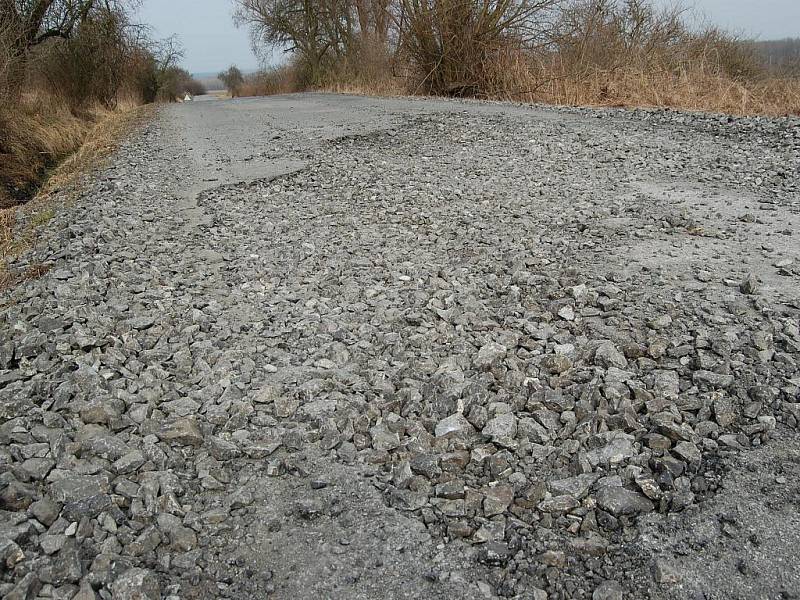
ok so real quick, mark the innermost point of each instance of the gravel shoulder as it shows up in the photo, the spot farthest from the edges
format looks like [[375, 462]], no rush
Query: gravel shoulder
[[328, 346]]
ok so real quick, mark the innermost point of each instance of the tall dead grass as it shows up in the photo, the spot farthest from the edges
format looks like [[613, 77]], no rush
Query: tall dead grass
[[85, 144], [694, 85], [37, 133], [693, 88], [632, 53]]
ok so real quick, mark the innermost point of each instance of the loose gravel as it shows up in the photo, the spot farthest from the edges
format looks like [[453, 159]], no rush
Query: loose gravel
[[328, 347]]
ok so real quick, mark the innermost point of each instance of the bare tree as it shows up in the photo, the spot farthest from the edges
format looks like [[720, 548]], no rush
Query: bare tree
[[233, 80], [34, 21], [313, 29]]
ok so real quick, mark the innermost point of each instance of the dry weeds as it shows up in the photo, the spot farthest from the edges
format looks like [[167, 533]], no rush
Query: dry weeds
[[623, 88], [692, 91], [18, 225], [693, 86], [37, 132]]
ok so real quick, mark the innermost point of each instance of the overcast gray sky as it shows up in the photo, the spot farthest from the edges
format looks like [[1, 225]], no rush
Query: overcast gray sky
[[206, 29]]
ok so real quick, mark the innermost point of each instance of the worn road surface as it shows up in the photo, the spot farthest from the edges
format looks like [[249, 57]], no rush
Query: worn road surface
[[322, 346]]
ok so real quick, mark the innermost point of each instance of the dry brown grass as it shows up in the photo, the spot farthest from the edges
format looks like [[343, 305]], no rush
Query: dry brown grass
[[624, 88], [97, 140], [8, 219], [696, 85], [37, 132], [693, 90], [102, 138]]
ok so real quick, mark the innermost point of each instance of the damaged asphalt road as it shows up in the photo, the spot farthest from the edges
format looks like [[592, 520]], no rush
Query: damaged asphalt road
[[321, 346]]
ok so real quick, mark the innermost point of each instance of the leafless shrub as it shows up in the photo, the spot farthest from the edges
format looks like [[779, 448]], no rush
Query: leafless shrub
[[190, 85], [27, 25], [90, 66], [623, 34], [6, 60], [629, 52], [456, 45]]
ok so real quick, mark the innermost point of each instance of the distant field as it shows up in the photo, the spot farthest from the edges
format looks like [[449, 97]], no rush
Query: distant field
[[212, 83]]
